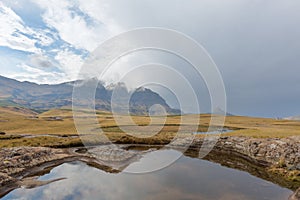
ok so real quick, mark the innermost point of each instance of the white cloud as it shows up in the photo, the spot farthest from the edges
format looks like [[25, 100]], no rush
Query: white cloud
[[16, 35], [100, 10], [74, 27], [83, 25], [15, 3], [69, 63], [11, 30], [40, 76], [41, 36], [42, 69]]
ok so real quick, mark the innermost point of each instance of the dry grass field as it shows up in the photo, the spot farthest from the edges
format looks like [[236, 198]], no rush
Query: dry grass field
[[16, 122]]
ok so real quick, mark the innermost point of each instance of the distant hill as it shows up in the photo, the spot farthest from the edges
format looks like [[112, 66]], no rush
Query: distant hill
[[41, 97], [297, 118], [219, 111], [11, 110]]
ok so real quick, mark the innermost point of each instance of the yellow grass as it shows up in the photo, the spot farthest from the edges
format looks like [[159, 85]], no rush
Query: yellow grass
[[27, 122]]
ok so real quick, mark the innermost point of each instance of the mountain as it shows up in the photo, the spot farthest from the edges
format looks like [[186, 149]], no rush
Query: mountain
[[44, 97]]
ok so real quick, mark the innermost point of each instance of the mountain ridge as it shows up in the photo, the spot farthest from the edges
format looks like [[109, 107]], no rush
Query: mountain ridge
[[49, 96]]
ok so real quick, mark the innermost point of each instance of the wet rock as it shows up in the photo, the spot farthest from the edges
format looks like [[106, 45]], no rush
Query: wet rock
[[14, 161], [111, 153]]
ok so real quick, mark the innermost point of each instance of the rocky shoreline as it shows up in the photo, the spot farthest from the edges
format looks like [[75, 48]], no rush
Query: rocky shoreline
[[276, 152], [280, 155], [17, 163]]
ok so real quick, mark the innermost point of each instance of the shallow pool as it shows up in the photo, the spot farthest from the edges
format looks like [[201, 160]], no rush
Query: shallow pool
[[187, 178]]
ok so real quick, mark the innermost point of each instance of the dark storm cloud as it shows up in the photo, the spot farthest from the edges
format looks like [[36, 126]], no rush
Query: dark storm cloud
[[255, 44]]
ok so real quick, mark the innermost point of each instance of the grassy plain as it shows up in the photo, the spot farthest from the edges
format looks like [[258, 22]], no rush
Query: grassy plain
[[56, 127]]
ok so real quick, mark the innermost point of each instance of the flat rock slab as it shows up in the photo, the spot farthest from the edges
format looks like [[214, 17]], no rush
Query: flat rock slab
[[14, 161], [283, 151]]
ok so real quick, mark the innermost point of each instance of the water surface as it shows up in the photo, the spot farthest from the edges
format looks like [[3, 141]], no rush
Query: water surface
[[221, 131], [187, 178]]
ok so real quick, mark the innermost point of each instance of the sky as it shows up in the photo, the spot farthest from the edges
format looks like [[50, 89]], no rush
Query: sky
[[254, 43]]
